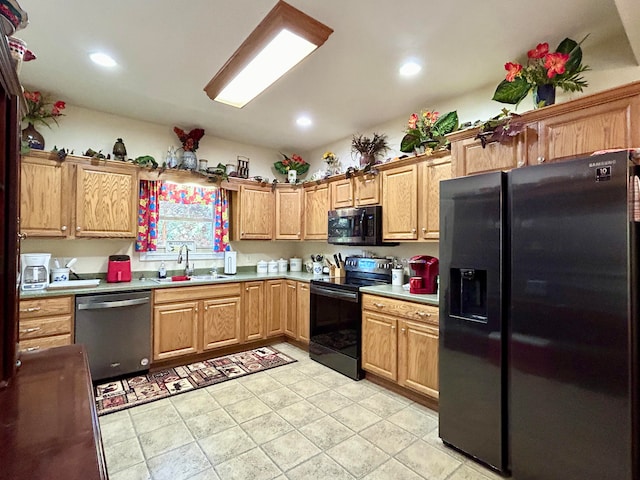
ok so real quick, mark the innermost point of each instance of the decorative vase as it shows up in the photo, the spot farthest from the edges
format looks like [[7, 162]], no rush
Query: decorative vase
[[419, 150], [33, 137], [366, 159], [544, 95], [189, 160], [291, 176]]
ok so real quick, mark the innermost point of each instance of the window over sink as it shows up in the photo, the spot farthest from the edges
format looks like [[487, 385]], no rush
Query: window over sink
[[171, 215]]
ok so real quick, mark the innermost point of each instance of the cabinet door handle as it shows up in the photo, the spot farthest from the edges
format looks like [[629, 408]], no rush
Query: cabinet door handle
[[423, 314], [247, 289], [403, 330], [393, 327], [298, 234], [33, 349], [196, 310], [541, 159], [63, 228], [521, 163], [78, 229], [413, 230], [424, 229], [22, 236], [31, 309], [379, 305], [205, 308], [30, 330]]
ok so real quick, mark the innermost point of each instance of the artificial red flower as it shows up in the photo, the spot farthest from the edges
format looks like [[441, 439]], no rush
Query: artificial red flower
[[413, 120], [190, 141], [540, 51], [555, 63], [513, 70]]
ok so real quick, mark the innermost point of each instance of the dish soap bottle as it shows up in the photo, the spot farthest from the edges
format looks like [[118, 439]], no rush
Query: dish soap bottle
[[162, 271]]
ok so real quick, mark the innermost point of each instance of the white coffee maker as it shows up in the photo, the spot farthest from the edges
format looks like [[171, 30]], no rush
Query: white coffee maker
[[34, 270]]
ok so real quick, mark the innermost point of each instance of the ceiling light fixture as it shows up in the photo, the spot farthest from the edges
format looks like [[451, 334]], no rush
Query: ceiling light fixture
[[304, 121], [102, 59], [409, 69], [280, 41]]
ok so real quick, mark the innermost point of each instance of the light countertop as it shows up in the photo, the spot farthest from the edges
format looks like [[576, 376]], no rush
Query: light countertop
[[148, 284]]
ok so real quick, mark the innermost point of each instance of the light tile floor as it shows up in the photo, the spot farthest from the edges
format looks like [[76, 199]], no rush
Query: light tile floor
[[300, 422]]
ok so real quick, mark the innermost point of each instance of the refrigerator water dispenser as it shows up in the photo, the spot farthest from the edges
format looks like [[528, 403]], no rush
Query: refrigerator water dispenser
[[469, 294]]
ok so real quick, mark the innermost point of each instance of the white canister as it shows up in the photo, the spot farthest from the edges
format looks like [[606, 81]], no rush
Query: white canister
[[317, 268], [59, 275], [261, 267], [295, 264], [273, 266], [282, 265], [397, 276]]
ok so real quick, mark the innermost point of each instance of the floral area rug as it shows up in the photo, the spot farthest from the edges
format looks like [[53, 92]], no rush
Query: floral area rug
[[136, 390]]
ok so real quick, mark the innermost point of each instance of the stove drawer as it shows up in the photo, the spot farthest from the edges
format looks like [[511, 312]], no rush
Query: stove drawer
[[401, 308]]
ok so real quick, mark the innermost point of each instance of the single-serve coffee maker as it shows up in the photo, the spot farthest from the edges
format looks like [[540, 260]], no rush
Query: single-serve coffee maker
[[424, 274], [34, 270]]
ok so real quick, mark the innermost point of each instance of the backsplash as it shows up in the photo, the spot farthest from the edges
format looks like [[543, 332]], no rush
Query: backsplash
[[92, 254]]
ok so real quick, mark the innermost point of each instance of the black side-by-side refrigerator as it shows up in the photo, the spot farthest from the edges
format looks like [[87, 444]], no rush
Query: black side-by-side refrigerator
[[539, 335]]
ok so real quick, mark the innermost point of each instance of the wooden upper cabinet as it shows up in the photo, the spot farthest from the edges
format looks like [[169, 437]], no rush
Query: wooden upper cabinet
[[471, 157], [355, 191], [367, 190], [316, 206], [253, 213], [400, 203], [430, 176], [289, 213], [584, 131], [45, 200], [341, 193], [106, 200]]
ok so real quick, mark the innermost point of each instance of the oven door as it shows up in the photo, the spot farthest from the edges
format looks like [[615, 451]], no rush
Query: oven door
[[336, 328]]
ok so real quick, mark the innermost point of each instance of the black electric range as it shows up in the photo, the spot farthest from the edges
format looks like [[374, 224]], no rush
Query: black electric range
[[336, 317]]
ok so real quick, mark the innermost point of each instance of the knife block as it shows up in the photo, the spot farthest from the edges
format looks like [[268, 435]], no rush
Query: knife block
[[337, 272]]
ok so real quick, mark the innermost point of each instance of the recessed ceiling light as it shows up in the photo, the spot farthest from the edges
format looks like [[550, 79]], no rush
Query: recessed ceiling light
[[102, 59], [283, 38], [304, 121], [410, 68]]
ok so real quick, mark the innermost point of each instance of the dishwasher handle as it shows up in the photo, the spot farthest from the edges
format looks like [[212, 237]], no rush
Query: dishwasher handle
[[116, 304]]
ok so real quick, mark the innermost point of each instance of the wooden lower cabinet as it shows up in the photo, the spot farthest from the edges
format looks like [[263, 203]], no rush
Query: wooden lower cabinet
[[45, 323], [400, 342], [253, 311], [275, 311], [417, 347], [303, 300], [380, 345], [188, 320], [175, 330], [291, 308], [221, 323]]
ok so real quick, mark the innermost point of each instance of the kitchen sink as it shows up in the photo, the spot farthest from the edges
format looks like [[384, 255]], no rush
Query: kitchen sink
[[194, 278]]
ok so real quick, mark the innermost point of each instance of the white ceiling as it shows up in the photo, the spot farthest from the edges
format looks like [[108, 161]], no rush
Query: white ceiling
[[168, 51]]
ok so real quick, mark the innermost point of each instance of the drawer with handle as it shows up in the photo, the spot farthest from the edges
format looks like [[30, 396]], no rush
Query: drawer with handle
[[44, 327], [46, 307], [400, 308], [36, 344]]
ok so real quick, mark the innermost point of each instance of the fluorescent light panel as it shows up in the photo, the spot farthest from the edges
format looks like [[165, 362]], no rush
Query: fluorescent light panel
[[283, 38], [279, 56]]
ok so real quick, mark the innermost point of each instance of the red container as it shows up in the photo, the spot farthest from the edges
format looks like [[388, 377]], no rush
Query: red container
[[119, 269]]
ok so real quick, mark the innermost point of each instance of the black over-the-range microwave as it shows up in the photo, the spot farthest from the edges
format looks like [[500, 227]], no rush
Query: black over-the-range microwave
[[356, 226]]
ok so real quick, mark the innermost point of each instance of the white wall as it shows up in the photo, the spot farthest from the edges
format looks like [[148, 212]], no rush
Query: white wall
[[82, 128]]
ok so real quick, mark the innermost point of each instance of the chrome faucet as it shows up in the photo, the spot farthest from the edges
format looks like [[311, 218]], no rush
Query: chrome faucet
[[187, 269]]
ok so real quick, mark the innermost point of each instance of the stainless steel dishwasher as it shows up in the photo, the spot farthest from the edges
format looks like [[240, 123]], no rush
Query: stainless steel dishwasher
[[116, 331]]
